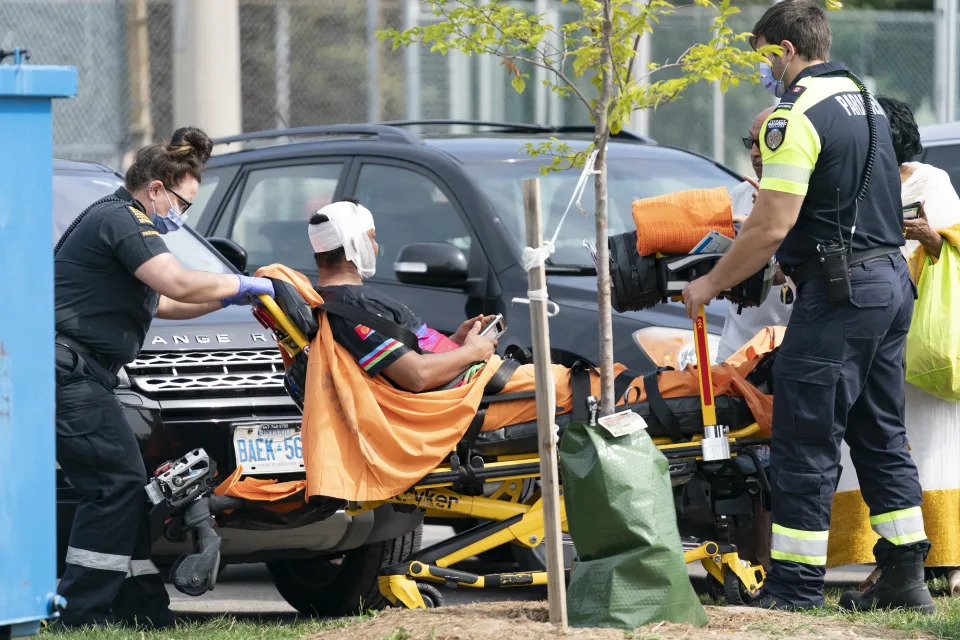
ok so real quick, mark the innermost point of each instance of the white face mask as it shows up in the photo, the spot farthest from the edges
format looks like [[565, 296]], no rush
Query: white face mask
[[347, 227]]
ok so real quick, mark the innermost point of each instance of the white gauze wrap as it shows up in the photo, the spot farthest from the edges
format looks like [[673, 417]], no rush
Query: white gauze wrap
[[347, 227]]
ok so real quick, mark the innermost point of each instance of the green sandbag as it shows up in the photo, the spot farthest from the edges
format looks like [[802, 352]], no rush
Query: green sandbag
[[629, 569]]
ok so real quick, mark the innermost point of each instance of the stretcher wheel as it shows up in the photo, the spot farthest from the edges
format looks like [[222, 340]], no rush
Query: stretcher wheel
[[431, 595], [190, 590], [734, 590]]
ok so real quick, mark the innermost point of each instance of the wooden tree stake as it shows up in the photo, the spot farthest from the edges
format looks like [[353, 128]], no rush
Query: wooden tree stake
[[546, 412]]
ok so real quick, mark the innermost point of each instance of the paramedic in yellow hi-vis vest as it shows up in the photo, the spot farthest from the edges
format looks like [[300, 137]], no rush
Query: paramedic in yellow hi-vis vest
[[829, 206]]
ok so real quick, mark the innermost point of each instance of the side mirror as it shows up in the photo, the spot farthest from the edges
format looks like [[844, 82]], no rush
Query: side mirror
[[432, 264], [231, 252]]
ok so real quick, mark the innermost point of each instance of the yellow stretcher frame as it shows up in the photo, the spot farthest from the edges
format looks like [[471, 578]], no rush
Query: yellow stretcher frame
[[510, 520]]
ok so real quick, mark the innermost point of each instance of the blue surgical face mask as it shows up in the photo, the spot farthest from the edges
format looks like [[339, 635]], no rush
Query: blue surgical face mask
[[770, 83], [172, 221], [773, 86]]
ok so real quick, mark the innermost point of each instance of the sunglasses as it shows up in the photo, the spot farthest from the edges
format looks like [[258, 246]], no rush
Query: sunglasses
[[748, 142]]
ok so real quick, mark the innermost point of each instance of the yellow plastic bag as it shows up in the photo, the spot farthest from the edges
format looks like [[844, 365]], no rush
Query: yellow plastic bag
[[933, 344]]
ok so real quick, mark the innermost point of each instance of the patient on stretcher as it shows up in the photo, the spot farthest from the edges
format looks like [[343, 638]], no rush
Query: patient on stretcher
[[437, 362]]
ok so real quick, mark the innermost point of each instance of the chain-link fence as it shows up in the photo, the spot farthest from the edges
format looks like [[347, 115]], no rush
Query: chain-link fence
[[303, 62], [893, 52], [92, 37], [308, 62], [311, 62]]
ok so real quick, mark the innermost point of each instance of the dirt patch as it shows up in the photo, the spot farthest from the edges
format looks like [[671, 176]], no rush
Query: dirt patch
[[529, 620]]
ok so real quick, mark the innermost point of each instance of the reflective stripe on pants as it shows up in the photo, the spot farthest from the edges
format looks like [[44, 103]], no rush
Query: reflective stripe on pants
[[904, 526], [97, 560], [110, 562], [142, 568], [796, 545]]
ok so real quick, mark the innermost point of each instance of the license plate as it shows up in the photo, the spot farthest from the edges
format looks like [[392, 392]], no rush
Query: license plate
[[268, 448]]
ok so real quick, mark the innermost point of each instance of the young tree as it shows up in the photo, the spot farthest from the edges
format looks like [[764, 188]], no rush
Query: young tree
[[602, 45]]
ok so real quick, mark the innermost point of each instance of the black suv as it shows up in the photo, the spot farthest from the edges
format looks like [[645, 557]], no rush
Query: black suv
[[463, 191]]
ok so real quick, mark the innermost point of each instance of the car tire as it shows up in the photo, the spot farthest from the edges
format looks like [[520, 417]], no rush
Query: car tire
[[341, 584]]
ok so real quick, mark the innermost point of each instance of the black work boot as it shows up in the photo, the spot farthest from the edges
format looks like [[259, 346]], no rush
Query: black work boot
[[766, 601], [901, 584]]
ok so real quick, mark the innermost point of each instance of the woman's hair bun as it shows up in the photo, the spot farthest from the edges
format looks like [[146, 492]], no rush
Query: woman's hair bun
[[191, 142]]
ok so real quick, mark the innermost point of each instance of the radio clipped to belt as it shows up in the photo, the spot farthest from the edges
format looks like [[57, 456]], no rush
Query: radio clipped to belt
[[835, 258], [836, 269]]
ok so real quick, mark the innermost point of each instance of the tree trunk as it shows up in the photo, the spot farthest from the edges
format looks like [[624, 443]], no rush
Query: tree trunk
[[601, 135]]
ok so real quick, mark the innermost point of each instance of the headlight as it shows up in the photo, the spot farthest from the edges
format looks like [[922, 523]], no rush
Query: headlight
[[123, 380], [673, 347]]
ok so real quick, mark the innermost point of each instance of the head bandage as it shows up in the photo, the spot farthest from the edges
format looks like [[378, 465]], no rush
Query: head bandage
[[347, 226]]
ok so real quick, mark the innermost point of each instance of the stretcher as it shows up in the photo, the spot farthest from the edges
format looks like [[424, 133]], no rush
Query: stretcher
[[492, 477]]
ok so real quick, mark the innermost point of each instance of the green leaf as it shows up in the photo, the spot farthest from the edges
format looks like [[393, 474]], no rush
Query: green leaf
[[517, 37]]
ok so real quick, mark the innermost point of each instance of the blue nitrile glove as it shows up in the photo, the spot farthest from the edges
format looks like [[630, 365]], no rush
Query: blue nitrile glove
[[249, 287]]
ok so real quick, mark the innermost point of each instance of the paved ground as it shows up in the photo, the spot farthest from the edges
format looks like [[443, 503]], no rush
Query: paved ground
[[246, 590]]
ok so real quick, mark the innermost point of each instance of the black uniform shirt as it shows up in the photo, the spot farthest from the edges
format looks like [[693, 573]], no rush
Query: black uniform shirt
[[98, 300], [374, 352], [816, 142]]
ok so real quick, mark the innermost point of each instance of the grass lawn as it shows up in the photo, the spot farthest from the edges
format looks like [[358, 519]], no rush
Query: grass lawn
[[944, 624], [221, 628]]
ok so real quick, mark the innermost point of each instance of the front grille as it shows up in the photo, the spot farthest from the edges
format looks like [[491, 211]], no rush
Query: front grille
[[187, 374]]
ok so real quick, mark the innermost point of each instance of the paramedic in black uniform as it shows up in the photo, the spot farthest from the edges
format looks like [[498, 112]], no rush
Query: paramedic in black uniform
[[113, 275], [839, 373]]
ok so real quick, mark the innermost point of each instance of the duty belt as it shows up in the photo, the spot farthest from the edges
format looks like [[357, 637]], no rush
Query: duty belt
[[815, 268], [112, 366]]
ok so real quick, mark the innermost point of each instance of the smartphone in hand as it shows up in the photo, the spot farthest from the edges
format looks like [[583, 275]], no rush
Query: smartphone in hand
[[911, 211], [495, 328]]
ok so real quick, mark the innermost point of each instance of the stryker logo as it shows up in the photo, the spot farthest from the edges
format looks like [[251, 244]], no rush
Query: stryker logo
[[428, 498], [221, 338]]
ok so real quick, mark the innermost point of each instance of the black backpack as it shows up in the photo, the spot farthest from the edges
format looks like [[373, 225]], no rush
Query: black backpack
[[304, 318], [633, 277], [640, 282]]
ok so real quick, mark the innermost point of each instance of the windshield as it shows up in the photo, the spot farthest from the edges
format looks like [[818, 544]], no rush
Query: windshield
[[74, 192], [628, 179]]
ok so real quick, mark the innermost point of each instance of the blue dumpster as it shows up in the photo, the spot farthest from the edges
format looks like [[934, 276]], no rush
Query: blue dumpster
[[27, 443]]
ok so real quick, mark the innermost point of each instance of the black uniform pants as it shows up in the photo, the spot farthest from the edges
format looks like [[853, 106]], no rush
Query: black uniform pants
[[839, 376], [109, 575]]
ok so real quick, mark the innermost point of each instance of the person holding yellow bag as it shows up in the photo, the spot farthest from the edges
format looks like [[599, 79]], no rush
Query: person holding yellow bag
[[933, 421]]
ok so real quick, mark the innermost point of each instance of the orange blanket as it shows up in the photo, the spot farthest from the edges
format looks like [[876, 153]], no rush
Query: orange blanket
[[729, 378], [676, 222], [261, 490], [364, 439]]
